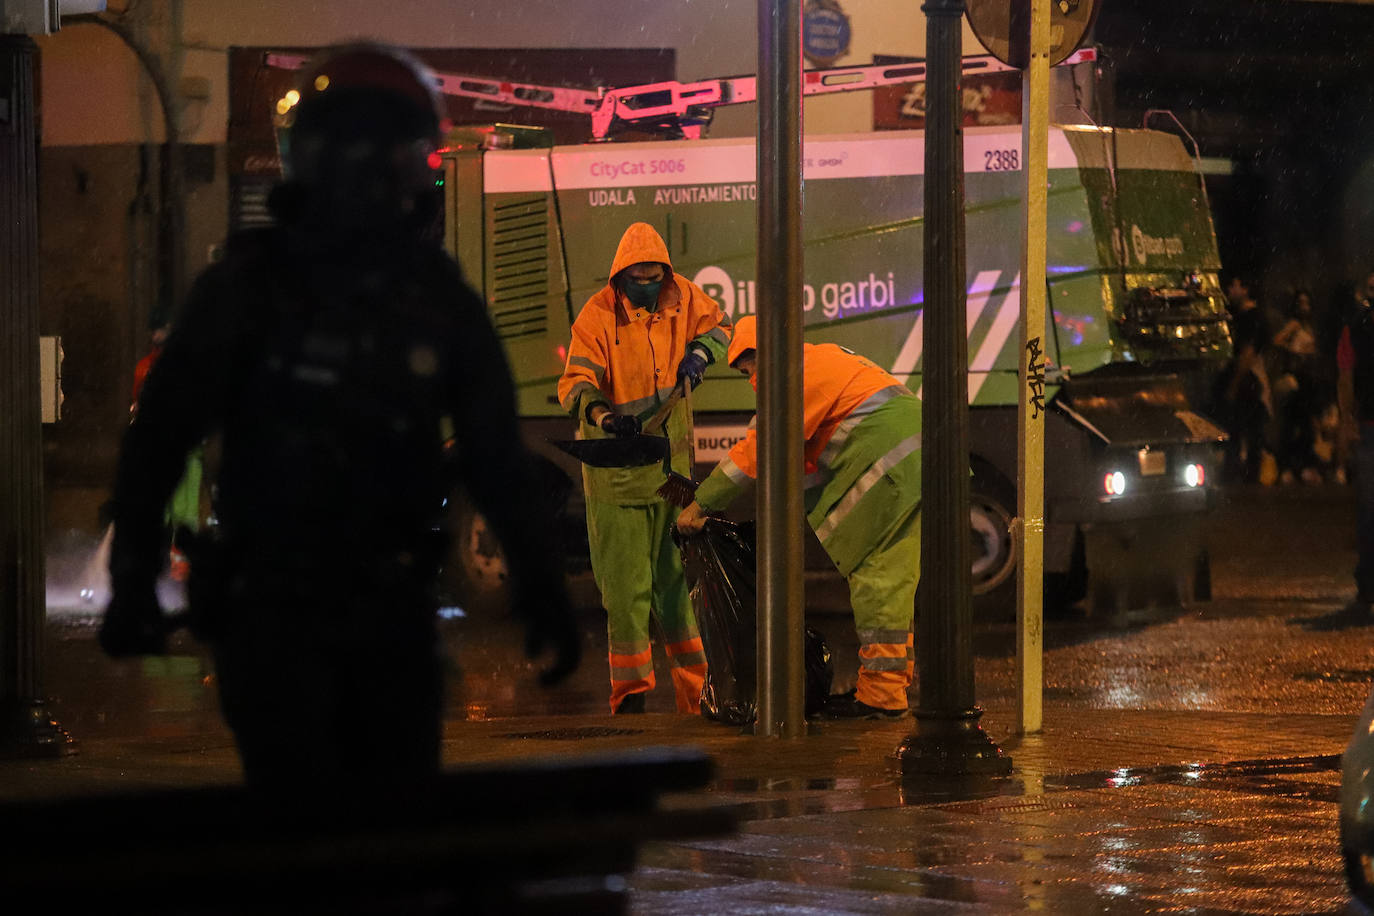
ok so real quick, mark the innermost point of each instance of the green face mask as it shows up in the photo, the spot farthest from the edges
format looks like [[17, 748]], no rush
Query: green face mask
[[643, 295]]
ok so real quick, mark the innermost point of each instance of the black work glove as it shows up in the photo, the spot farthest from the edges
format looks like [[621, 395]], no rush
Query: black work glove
[[620, 425], [692, 368], [133, 624]]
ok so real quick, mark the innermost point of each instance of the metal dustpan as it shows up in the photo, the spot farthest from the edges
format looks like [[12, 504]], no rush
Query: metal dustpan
[[630, 452], [635, 451]]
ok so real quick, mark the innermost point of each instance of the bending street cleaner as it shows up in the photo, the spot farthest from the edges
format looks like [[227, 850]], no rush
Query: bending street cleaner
[[640, 342], [863, 498]]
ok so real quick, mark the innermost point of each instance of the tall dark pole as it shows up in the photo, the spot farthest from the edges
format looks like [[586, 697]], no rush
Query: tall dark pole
[[948, 739], [781, 596], [26, 728]]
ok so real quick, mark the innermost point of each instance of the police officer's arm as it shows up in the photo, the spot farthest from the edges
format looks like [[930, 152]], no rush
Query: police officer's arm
[[178, 404], [500, 478]]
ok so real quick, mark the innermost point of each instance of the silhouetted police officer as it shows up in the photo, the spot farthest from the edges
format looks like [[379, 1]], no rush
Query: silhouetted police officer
[[334, 353]]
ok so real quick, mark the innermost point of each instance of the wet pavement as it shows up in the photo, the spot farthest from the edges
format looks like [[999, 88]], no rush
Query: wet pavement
[[1189, 761]]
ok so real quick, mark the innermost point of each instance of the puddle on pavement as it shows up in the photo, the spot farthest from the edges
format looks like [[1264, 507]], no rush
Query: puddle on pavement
[[800, 797], [575, 733], [1338, 676], [1012, 843], [1262, 777]]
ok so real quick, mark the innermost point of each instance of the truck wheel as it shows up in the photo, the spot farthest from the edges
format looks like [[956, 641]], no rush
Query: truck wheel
[[992, 506], [479, 574], [1065, 589]]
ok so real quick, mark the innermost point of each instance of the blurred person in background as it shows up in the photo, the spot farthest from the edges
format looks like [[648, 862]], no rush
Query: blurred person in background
[[1296, 392], [1243, 398], [183, 510]]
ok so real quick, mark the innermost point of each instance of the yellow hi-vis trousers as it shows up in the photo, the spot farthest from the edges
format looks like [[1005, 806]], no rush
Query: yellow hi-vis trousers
[[882, 591], [639, 572]]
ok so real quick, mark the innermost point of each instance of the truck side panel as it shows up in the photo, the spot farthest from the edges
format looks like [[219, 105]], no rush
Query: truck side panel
[[524, 278], [553, 218]]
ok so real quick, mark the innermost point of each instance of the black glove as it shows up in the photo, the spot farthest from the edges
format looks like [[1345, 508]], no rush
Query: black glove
[[692, 368], [133, 624], [620, 425]]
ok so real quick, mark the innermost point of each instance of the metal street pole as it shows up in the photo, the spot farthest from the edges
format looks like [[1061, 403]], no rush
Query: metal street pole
[[947, 739], [1030, 412], [781, 601], [26, 727]]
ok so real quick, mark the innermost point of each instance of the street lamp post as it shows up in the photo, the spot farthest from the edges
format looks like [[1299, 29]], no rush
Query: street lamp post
[[947, 739], [781, 598]]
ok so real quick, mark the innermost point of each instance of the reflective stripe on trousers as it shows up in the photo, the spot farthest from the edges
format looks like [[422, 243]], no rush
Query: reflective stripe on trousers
[[865, 483], [639, 573], [855, 417], [882, 591], [885, 670], [634, 673]]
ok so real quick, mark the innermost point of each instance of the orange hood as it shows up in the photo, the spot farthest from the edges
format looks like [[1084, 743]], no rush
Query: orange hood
[[641, 242], [744, 338]]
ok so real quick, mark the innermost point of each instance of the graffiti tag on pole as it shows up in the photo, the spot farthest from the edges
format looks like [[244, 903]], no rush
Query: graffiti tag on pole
[[1035, 377]]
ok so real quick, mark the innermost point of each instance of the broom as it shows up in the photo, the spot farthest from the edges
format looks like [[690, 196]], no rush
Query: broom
[[678, 490]]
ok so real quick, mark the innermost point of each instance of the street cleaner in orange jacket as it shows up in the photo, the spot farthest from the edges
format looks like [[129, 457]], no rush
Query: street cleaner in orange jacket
[[648, 332], [863, 498]]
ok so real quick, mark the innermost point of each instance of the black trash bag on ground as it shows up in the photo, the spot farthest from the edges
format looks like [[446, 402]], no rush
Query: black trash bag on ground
[[721, 579], [820, 671]]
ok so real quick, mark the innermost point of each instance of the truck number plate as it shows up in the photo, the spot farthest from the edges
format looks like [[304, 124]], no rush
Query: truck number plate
[[1152, 463]]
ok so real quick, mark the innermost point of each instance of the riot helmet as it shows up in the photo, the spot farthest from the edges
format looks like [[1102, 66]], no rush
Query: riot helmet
[[359, 137]]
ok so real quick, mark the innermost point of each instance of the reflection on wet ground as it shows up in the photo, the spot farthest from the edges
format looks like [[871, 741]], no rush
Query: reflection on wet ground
[[1105, 812], [1187, 662], [1127, 840], [1283, 776], [1254, 648], [1295, 777], [829, 827]]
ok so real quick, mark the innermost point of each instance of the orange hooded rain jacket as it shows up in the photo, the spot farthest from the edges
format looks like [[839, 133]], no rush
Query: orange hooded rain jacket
[[627, 358]]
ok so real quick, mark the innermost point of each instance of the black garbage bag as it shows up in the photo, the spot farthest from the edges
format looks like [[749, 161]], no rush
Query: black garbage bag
[[820, 671], [719, 566]]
